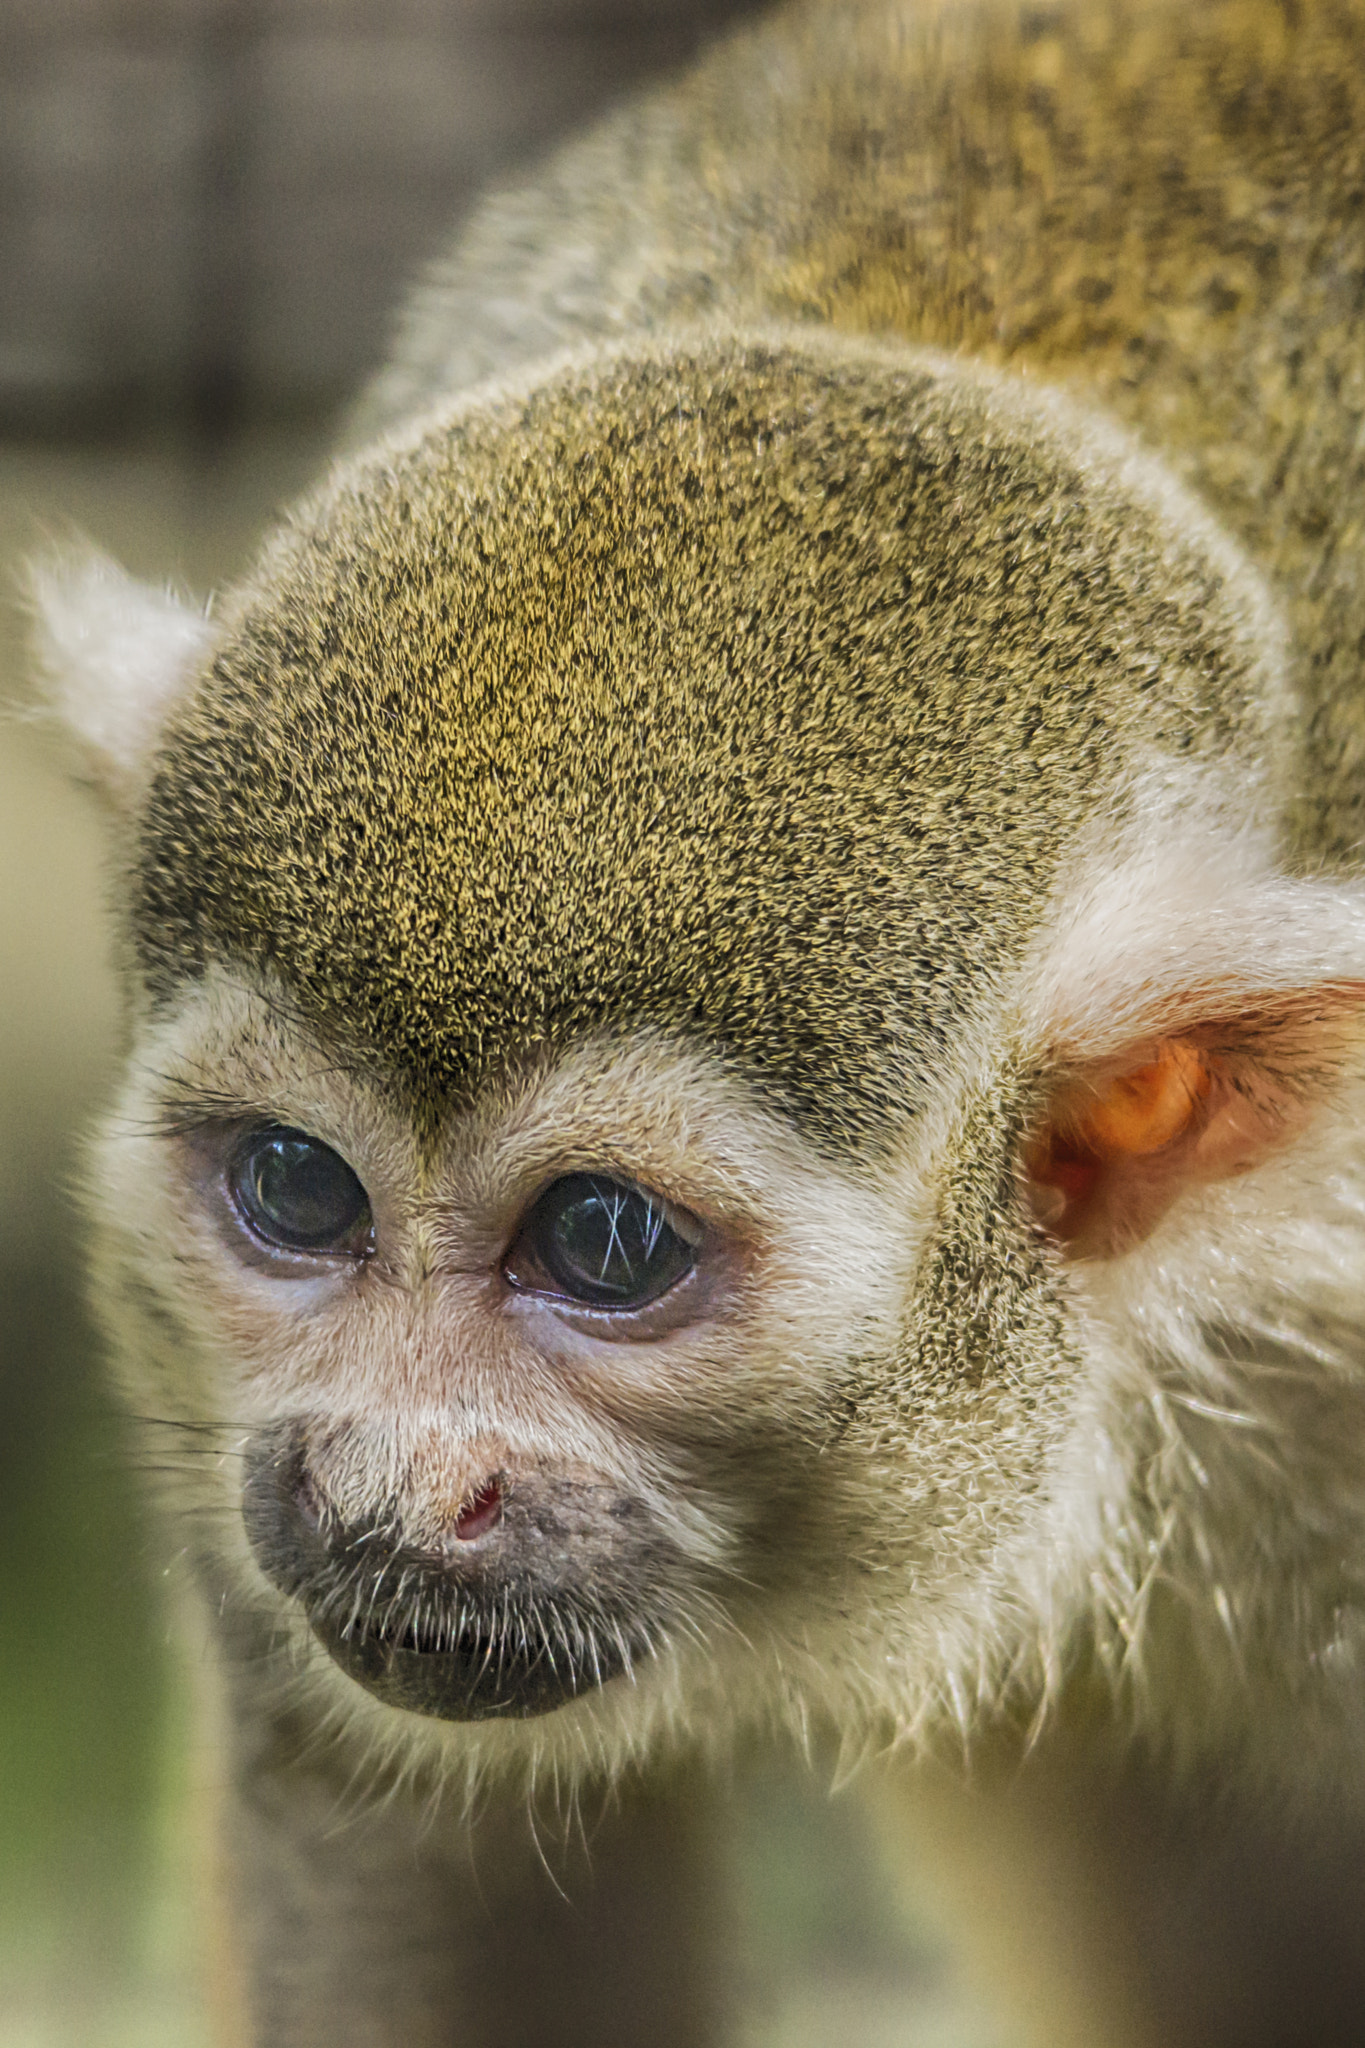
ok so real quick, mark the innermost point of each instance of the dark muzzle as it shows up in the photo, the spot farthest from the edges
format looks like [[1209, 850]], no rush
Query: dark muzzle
[[531, 1609]]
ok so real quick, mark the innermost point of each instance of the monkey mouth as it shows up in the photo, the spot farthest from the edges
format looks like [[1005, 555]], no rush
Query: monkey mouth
[[490, 1671], [502, 1628]]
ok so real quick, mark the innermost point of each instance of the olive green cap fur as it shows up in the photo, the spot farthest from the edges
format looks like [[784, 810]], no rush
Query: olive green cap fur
[[749, 694]]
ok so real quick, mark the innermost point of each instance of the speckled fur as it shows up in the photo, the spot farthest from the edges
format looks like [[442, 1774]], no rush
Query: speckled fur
[[1155, 206], [750, 690]]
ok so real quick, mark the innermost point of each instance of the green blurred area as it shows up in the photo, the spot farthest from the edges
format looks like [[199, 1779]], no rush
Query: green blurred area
[[98, 1935], [76, 1623], [89, 1950]]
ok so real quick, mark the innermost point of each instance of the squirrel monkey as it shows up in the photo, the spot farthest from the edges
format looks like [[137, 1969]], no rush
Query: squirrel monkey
[[745, 954]]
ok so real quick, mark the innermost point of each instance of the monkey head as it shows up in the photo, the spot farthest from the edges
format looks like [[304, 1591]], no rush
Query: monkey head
[[725, 1047]]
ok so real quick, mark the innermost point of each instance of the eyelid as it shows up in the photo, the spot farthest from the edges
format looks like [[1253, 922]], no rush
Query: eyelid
[[201, 1113], [693, 1297]]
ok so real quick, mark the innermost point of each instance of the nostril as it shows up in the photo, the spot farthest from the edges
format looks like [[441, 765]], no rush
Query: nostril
[[481, 1513]]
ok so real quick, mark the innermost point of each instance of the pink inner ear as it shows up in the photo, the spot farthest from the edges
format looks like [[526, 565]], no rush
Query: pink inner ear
[[1122, 1137]]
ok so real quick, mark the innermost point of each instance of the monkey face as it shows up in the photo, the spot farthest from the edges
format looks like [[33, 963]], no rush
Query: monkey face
[[528, 1411], [693, 936], [544, 1581]]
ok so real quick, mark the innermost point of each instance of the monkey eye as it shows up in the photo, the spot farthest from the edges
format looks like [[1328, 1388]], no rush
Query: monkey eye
[[300, 1195], [599, 1242]]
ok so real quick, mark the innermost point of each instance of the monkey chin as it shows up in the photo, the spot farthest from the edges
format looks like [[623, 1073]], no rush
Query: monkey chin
[[479, 1631]]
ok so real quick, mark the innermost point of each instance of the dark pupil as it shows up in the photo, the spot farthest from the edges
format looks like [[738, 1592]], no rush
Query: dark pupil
[[298, 1192], [607, 1244]]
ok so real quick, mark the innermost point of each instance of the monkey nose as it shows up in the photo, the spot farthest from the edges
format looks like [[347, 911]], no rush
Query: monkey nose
[[477, 1513]]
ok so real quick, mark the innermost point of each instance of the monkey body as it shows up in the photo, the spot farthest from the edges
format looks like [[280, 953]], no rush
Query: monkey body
[[818, 727]]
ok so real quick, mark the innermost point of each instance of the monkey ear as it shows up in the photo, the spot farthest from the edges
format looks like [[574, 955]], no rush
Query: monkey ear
[[111, 655], [1201, 1021]]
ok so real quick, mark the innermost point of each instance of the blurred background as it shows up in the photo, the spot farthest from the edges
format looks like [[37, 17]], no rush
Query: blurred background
[[208, 209]]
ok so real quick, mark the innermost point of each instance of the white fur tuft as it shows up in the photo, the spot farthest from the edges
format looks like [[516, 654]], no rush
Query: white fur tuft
[[111, 655], [1191, 917]]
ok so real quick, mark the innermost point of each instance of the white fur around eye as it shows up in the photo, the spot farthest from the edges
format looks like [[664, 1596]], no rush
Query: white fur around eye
[[111, 655]]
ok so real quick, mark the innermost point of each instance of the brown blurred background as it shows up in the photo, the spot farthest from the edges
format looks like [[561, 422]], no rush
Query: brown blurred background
[[207, 211]]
